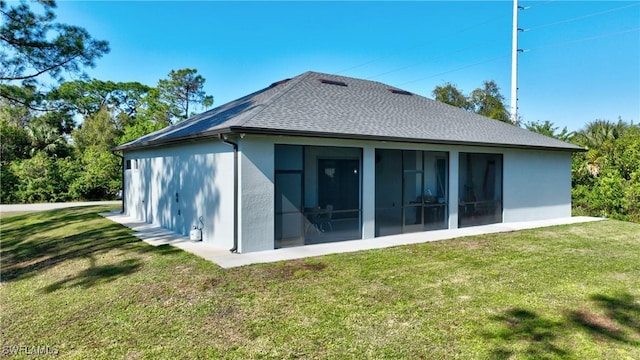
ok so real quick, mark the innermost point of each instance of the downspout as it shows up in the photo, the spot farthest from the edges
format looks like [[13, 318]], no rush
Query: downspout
[[234, 249], [122, 178]]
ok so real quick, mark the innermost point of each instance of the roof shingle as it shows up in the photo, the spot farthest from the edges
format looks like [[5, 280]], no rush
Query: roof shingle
[[305, 105]]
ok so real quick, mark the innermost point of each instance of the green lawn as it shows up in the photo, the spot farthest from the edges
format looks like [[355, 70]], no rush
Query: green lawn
[[81, 286]]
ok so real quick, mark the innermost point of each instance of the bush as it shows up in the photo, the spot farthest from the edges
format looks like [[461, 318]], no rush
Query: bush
[[606, 179], [101, 176], [40, 179]]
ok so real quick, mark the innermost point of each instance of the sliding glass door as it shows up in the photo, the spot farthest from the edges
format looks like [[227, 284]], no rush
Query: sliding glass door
[[480, 189], [318, 194], [289, 196], [411, 191]]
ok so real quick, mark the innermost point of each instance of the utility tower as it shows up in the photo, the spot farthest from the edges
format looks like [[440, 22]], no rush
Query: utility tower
[[514, 63]]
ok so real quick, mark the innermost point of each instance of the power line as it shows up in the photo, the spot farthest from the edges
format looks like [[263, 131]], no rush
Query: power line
[[421, 62], [586, 39], [581, 17], [545, 46], [497, 57], [456, 69], [422, 44], [503, 56], [415, 46], [539, 5]]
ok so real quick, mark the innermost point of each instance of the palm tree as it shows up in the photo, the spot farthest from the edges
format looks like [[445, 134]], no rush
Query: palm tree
[[45, 137], [598, 132], [548, 128], [598, 137]]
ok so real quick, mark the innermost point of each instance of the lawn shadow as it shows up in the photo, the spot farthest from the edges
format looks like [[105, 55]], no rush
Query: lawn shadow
[[27, 248], [621, 321], [25, 258], [527, 334], [42, 221], [538, 334], [96, 275]]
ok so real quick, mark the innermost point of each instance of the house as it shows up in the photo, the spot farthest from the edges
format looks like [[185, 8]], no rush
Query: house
[[321, 158]]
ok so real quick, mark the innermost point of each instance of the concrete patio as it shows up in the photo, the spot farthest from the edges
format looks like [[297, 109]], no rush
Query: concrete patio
[[157, 236]]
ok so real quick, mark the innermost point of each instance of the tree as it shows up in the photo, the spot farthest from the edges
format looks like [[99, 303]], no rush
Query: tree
[[40, 179], [486, 101], [598, 138], [154, 110], [489, 102], [598, 132], [14, 143], [98, 131], [45, 138], [449, 94], [606, 178], [122, 99], [13, 114], [137, 129], [100, 177], [33, 45], [101, 172], [548, 128], [182, 89]]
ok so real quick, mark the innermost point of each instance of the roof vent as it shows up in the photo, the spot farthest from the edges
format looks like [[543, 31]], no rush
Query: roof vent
[[333, 82], [401, 92], [278, 83]]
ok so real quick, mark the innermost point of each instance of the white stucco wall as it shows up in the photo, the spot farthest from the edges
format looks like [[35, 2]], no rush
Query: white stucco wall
[[454, 178], [256, 194], [537, 185], [173, 186]]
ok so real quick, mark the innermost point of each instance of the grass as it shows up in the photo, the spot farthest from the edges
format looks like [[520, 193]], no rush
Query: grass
[[79, 285]]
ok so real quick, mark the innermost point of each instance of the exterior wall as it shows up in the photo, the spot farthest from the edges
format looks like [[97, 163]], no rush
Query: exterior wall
[[368, 192], [454, 179], [537, 185], [256, 194], [173, 186]]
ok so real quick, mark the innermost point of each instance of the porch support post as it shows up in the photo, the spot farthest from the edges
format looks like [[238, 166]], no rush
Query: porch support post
[[368, 192], [454, 171]]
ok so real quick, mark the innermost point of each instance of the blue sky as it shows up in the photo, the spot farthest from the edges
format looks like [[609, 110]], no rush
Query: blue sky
[[581, 60]]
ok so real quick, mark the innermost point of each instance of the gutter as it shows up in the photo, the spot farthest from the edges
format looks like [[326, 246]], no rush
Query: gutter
[[223, 138], [315, 134], [122, 179]]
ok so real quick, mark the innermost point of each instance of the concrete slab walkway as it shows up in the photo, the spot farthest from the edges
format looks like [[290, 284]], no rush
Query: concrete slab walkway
[[9, 208], [156, 236]]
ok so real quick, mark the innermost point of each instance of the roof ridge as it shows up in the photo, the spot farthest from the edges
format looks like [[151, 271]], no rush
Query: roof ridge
[[290, 84], [365, 81]]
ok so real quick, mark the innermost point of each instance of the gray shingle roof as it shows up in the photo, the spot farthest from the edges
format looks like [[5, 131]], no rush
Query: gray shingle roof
[[305, 105]]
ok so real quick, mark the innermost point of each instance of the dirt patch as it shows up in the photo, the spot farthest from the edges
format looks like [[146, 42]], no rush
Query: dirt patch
[[293, 269]]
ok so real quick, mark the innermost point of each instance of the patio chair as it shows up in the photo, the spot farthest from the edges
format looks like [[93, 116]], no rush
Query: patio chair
[[324, 218], [312, 216]]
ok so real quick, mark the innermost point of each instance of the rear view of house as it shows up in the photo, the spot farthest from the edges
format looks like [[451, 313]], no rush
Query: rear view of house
[[322, 158]]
